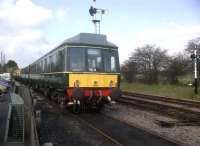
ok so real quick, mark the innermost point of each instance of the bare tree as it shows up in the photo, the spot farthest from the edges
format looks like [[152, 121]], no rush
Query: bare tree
[[150, 61], [177, 66], [192, 45], [129, 70]]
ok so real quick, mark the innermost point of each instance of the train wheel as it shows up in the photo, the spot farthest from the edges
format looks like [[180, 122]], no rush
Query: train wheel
[[53, 96], [99, 106], [61, 100], [77, 107], [83, 107], [116, 93], [46, 92]]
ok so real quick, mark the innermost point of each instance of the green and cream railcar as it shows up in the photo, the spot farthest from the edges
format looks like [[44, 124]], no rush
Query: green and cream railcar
[[84, 68]]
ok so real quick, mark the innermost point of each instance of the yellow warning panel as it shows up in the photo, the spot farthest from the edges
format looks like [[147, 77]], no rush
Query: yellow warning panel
[[92, 80]]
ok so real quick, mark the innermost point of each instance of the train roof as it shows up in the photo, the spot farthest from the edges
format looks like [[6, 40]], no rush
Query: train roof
[[89, 39], [85, 39]]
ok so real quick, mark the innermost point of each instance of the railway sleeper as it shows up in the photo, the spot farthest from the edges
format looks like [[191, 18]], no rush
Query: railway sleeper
[[168, 124]]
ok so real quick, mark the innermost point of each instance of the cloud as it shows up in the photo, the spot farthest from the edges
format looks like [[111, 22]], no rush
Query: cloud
[[23, 13], [21, 36], [24, 45], [172, 37], [60, 14]]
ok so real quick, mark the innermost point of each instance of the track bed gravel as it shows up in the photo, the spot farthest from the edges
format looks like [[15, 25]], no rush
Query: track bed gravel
[[188, 135], [125, 134], [64, 130]]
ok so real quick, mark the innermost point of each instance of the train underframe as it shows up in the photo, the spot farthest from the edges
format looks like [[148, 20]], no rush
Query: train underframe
[[79, 99], [82, 99]]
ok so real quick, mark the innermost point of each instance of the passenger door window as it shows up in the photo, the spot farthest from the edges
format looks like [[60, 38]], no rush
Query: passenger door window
[[94, 60]]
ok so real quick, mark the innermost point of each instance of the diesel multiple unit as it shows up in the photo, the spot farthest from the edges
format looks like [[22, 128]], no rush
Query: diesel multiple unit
[[83, 70]]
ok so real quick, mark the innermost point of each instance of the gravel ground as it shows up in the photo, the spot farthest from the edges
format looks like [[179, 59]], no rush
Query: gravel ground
[[189, 135]]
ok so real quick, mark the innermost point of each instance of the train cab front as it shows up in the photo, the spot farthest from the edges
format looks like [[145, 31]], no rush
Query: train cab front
[[93, 70], [93, 89]]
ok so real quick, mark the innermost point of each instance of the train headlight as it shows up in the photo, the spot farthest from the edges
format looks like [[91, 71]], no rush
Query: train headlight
[[77, 83], [95, 83], [111, 83]]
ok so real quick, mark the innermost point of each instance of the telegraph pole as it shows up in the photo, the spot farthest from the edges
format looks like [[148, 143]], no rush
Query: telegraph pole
[[195, 72], [195, 59]]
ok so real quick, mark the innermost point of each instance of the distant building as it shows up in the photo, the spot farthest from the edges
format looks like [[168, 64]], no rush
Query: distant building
[[16, 72]]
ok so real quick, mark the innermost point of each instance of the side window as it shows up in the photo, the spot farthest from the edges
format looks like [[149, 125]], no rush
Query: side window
[[34, 68], [113, 63], [41, 66], [53, 62], [31, 69], [45, 65], [110, 61], [38, 67], [60, 60], [50, 63]]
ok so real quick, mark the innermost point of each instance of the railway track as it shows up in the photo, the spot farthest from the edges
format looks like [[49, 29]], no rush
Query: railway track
[[124, 134], [115, 132], [119, 133], [185, 102], [186, 111], [63, 128]]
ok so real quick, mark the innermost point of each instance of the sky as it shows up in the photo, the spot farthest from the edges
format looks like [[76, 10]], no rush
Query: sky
[[31, 28]]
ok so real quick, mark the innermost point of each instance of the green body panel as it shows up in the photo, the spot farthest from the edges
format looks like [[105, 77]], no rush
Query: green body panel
[[54, 80]]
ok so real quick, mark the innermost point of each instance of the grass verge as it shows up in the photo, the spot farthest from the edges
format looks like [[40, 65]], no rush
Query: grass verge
[[168, 90]]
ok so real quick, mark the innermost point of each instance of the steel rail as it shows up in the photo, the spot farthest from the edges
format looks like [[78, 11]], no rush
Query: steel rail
[[112, 140], [148, 131], [104, 134], [107, 135], [185, 114], [186, 102], [117, 143]]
